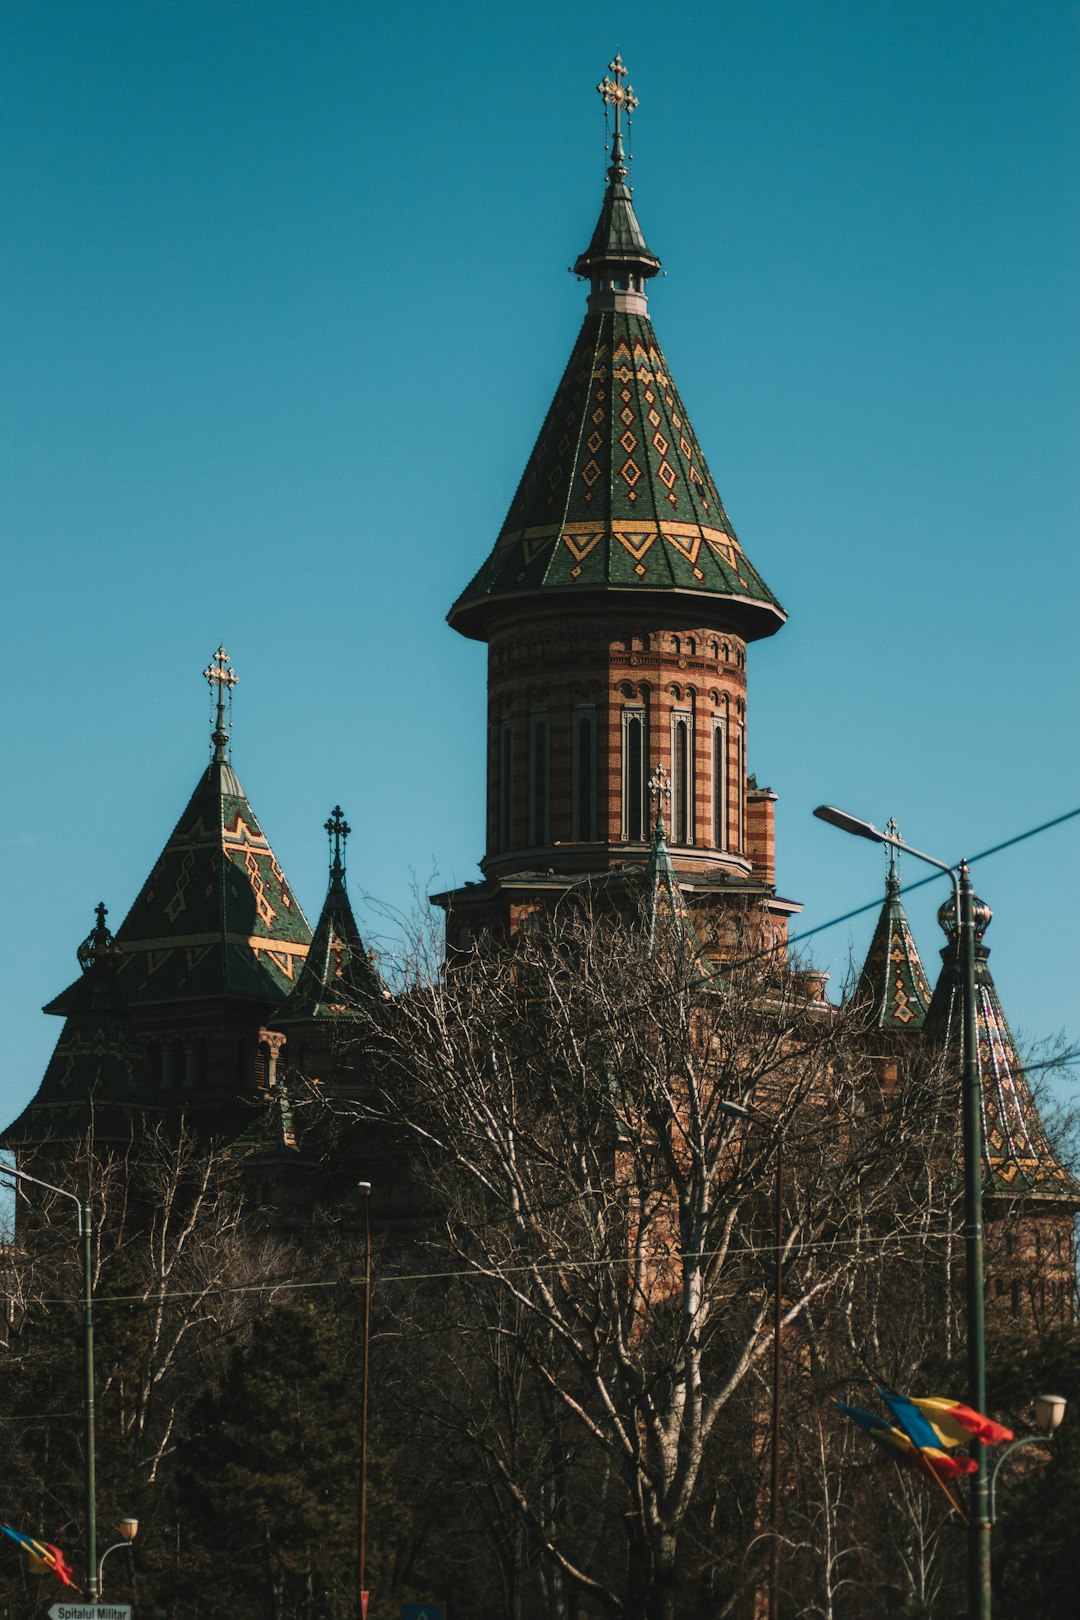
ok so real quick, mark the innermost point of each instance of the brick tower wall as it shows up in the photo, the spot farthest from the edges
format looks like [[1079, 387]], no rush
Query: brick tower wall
[[555, 671]]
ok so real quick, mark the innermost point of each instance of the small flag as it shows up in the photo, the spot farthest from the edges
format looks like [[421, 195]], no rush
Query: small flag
[[42, 1555], [956, 1424], [902, 1448]]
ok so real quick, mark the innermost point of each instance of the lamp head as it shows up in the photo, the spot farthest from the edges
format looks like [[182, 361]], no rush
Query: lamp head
[[127, 1529], [364, 1189], [850, 824], [1049, 1411]]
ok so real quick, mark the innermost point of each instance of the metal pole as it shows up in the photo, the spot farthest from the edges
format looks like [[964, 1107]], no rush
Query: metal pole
[[86, 1232], [778, 1327], [979, 1597], [365, 1193], [979, 1593]]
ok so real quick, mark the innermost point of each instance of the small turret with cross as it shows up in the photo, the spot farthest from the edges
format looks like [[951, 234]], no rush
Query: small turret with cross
[[220, 677], [338, 830]]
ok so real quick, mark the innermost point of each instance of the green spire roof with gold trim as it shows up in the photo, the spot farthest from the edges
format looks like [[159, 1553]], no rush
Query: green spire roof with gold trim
[[216, 917], [893, 981], [1018, 1159], [338, 979], [96, 1078], [617, 495]]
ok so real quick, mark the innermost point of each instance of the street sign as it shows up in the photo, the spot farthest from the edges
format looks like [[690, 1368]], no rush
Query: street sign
[[423, 1611], [90, 1611]]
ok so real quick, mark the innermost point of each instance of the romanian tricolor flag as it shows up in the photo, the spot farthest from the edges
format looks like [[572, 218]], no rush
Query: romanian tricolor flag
[[42, 1555], [957, 1425], [902, 1448]]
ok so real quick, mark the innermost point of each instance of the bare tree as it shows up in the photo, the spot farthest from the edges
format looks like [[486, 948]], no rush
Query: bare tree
[[609, 1222]]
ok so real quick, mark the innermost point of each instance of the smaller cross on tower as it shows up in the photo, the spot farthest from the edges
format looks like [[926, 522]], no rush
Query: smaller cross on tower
[[220, 676], [892, 875], [616, 94], [338, 829], [659, 791]]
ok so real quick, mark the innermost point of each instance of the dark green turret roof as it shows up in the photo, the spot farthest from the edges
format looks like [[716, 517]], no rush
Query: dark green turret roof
[[337, 979], [617, 496], [1018, 1158], [618, 239], [893, 982], [666, 911], [96, 1078], [216, 916]]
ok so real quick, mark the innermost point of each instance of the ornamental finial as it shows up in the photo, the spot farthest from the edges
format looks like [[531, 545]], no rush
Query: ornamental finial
[[338, 829], [892, 874], [219, 674], [659, 790], [97, 949], [621, 96]]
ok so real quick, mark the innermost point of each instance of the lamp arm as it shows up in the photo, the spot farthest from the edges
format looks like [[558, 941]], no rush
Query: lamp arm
[[105, 1554], [24, 1175], [1024, 1440]]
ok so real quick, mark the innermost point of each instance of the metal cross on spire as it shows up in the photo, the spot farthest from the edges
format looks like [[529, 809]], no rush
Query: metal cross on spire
[[618, 95], [338, 829], [892, 874], [221, 676], [659, 790]]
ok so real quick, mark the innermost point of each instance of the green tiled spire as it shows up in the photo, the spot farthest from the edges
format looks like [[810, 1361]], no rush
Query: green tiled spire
[[893, 981], [1019, 1160], [337, 979], [216, 916], [96, 1078], [617, 496], [666, 911]]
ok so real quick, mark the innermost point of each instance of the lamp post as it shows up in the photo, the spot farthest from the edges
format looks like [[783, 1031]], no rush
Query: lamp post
[[979, 1600], [739, 1111], [1049, 1411], [85, 1235], [127, 1530], [364, 1190]]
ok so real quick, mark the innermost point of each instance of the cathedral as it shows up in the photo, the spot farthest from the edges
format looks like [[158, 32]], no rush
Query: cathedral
[[618, 606]]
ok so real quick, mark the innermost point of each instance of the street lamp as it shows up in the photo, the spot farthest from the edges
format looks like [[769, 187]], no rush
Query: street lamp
[[738, 1111], [364, 1190], [127, 1530], [85, 1235], [1049, 1411], [979, 1523]]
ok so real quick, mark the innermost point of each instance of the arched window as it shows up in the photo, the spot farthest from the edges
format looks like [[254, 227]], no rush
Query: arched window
[[682, 777], [538, 779], [719, 784], [584, 774], [634, 755]]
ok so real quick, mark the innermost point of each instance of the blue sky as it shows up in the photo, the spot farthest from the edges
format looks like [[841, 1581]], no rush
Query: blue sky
[[286, 298]]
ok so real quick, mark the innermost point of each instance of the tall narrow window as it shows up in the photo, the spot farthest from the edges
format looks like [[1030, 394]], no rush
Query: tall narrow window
[[719, 785], [584, 774], [634, 755], [538, 779], [740, 785], [506, 783], [682, 777]]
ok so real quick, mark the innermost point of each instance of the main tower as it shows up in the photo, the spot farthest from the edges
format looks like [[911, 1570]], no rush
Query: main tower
[[617, 606]]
